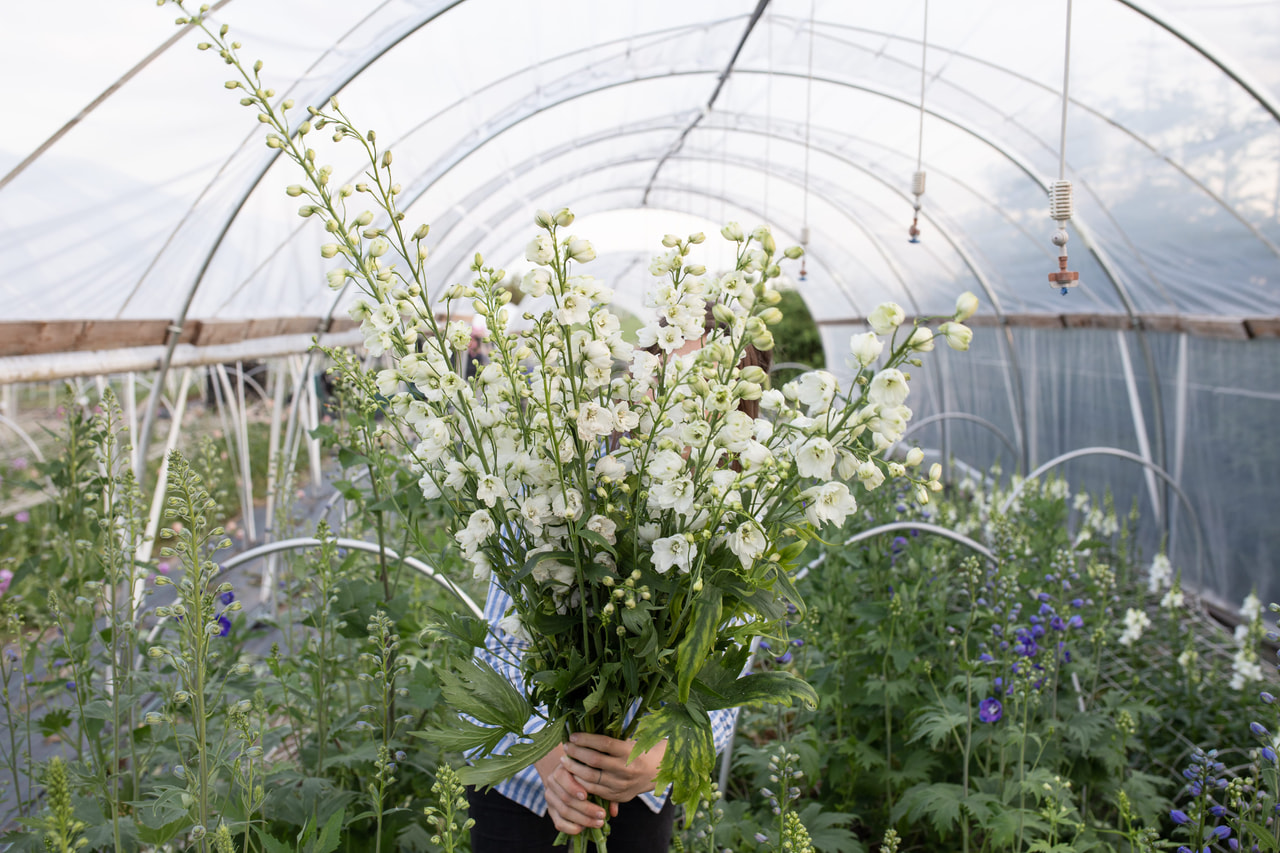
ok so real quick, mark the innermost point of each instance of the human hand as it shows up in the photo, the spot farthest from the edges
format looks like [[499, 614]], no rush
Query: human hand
[[567, 802], [599, 765]]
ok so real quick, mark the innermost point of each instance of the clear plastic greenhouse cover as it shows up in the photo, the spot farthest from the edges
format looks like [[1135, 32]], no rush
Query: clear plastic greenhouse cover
[[160, 193]]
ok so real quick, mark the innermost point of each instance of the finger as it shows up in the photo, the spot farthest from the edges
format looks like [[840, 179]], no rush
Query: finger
[[601, 743], [594, 758], [613, 809], [594, 769], [578, 811]]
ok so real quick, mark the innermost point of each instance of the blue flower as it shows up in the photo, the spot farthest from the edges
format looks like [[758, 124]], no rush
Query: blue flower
[[1179, 817], [1222, 831], [1269, 754], [226, 626], [1259, 730], [990, 710], [1266, 697], [985, 658], [228, 597], [1075, 621], [1077, 602], [783, 658], [1057, 624]]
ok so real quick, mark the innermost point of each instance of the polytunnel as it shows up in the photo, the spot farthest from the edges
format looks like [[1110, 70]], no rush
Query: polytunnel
[[143, 224]]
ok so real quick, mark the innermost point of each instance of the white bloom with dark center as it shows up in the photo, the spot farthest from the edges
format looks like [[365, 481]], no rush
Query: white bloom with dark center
[[491, 489], [828, 502], [815, 458], [595, 420], [540, 250], [673, 552], [676, 494], [816, 389], [606, 527], [888, 388], [567, 503], [747, 542], [535, 283]]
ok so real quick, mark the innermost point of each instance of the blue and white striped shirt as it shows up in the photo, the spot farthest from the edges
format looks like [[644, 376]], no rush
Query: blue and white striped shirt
[[525, 787]]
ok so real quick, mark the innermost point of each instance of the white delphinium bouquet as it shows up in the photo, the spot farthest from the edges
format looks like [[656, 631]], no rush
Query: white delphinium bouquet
[[644, 523]]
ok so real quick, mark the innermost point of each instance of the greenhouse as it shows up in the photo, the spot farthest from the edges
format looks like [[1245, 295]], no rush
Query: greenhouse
[[847, 420]]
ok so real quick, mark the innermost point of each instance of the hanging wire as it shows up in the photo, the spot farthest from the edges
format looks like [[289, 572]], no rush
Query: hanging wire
[[1060, 202], [808, 120], [768, 109], [917, 180]]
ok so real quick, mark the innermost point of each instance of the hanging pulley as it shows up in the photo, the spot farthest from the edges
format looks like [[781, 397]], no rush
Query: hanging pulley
[[804, 242], [917, 189], [1060, 209]]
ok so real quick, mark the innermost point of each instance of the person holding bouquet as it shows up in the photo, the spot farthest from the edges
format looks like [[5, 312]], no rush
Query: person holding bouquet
[[554, 795]]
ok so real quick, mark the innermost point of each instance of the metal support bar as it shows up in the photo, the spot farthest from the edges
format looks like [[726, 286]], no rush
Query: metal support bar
[[963, 416], [1140, 427]]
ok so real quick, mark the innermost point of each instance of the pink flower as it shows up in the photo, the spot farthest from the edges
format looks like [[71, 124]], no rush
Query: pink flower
[[6, 578], [22, 517], [18, 463], [163, 568]]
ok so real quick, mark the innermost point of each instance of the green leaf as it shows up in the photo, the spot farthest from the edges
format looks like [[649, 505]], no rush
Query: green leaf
[[1262, 836], [788, 589], [457, 625], [597, 540], [764, 688], [273, 845], [529, 564], [463, 736], [700, 636], [476, 688], [331, 835], [489, 771], [690, 755], [940, 802]]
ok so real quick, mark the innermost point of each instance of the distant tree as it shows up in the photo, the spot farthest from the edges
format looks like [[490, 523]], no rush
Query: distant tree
[[796, 338]]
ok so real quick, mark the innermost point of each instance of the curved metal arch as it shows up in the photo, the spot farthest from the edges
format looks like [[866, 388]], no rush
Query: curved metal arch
[[101, 99], [24, 436], [963, 416], [1132, 457], [354, 545], [1241, 79], [1076, 102]]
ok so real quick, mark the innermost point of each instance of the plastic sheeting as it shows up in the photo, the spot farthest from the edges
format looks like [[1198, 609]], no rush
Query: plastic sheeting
[[160, 201]]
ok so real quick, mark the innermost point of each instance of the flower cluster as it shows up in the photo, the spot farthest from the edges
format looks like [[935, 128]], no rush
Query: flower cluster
[[1245, 668]]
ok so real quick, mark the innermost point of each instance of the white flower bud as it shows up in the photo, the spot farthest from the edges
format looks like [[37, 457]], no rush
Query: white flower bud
[[914, 457], [966, 306]]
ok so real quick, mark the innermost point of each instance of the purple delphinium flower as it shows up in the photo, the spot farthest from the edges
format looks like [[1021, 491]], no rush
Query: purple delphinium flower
[[228, 597], [162, 568], [226, 626], [899, 543], [990, 710], [1075, 621], [22, 517], [1179, 817], [1269, 754], [783, 658], [1259, 730]]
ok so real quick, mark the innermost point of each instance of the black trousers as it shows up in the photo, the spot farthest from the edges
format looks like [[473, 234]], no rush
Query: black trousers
[[505, 826]]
